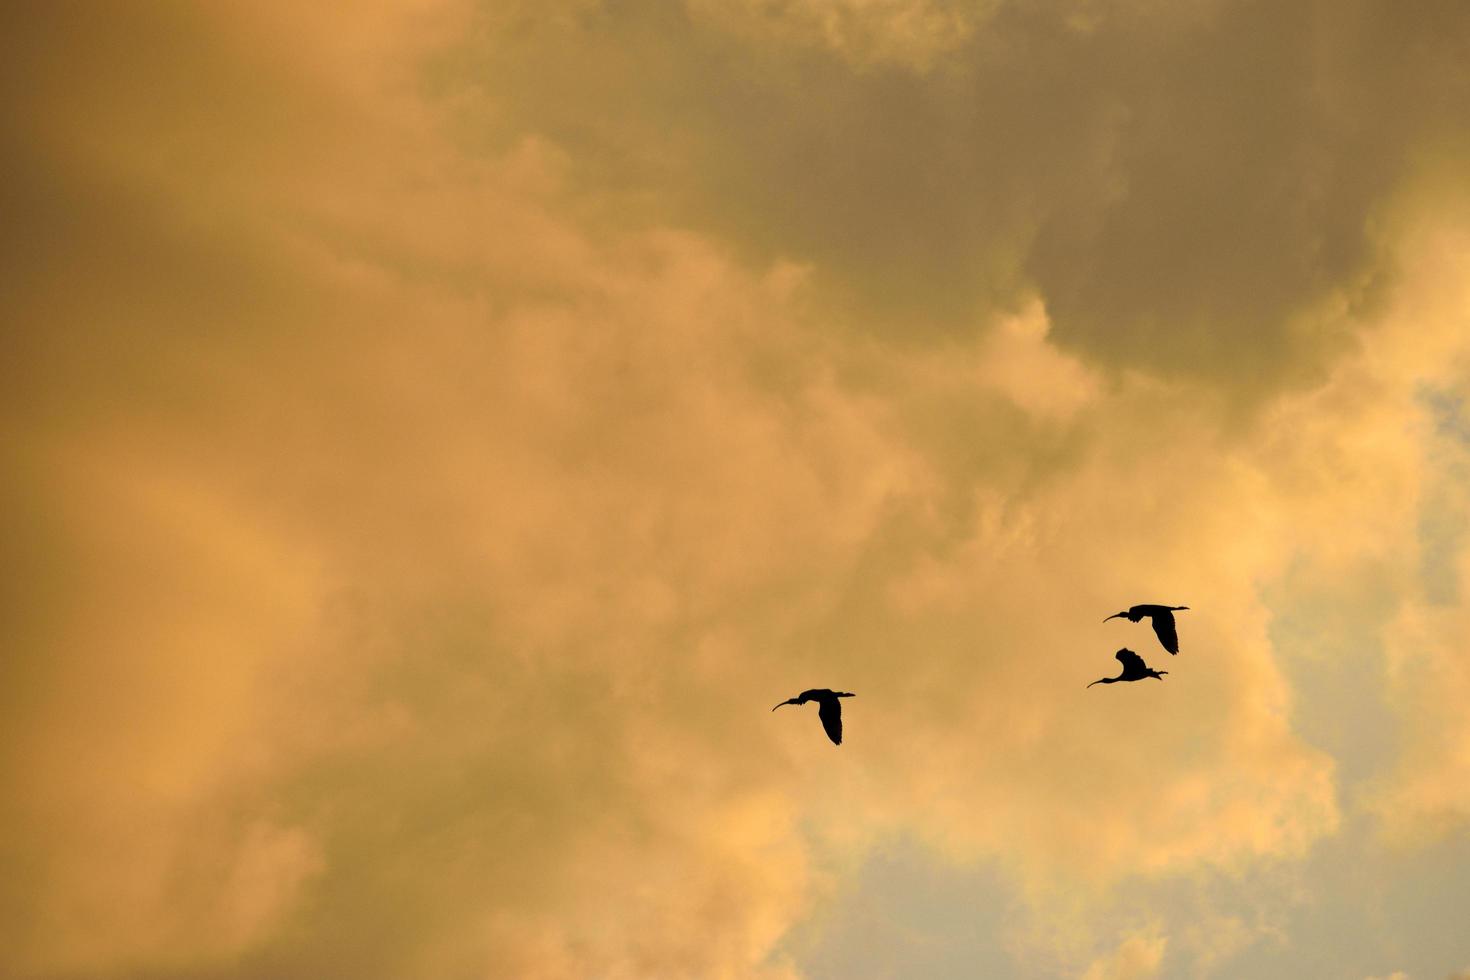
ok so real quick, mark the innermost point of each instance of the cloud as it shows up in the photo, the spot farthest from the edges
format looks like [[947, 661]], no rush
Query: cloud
[[352, 580], [866, 33], [417, 510], [1136, 957], [1421, 343], [1183, 194]]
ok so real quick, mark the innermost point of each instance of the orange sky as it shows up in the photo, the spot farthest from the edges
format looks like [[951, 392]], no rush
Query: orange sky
[[435, 436]]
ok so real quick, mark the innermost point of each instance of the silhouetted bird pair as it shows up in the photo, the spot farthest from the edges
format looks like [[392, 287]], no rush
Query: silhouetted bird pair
[[1162, 620]]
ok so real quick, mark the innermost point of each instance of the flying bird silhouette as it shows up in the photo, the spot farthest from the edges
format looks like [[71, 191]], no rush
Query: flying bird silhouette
[[1162, 618], [829, 710], [1134, 669]]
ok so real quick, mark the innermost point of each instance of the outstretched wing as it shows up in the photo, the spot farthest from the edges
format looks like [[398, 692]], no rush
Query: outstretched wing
[[831, 714], [1132, 662], [1164, 626]]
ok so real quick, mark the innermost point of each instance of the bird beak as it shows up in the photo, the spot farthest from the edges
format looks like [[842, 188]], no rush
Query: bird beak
[[783, 704], [1099, 680], [1115, 616]]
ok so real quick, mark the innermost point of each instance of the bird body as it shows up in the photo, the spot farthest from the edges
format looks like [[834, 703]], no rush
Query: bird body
[[1161, 618], [829, 709], [1134, 669]]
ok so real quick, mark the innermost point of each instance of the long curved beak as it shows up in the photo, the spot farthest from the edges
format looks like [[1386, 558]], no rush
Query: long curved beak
[[1115, 616], [1100, 679], [784, 703]]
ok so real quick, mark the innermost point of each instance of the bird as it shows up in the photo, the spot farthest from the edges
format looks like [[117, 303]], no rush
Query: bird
[[1162, 618], [1134, 669], [830, 710]]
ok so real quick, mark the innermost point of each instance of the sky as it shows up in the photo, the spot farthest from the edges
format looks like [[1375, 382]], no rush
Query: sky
[[436, 434]]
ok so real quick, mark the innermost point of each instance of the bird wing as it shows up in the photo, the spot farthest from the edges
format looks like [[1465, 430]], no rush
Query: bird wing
[[831, 714], [1164, 627], [1131, 661]]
